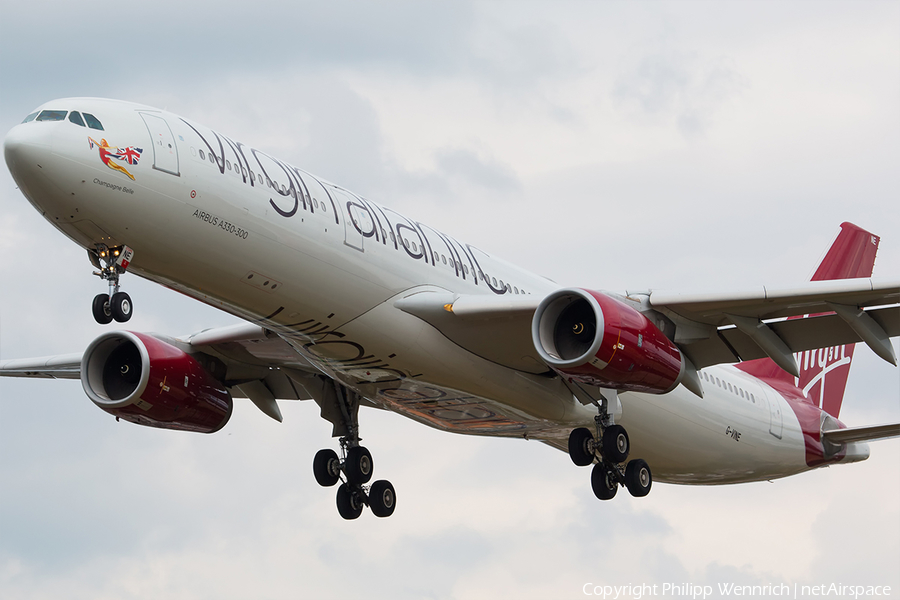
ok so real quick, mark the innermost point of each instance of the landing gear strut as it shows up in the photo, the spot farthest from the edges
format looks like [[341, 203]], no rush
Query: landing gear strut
[[609, 450], [355, 466], [112, 263]]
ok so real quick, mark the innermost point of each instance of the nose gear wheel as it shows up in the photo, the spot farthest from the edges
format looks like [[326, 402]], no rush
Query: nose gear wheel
[[112, 263]]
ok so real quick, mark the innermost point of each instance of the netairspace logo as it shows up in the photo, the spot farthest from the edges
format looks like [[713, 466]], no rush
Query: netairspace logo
[[727, 590]]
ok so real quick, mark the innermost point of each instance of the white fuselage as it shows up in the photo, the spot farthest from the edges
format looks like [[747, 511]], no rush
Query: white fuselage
[[238, 229]]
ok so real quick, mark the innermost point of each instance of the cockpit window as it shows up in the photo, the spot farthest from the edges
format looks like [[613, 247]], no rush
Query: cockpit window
[[92, 121], [75, 117], [30, 117], [52, 115]]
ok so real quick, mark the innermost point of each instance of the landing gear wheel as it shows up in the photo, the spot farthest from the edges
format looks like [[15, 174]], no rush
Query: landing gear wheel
[[100, 308], [638, 478], [604, 482], [121, 307], [382, 498], [326, 467], [615, 444], [581, 446], [349, 501], [358, 466]]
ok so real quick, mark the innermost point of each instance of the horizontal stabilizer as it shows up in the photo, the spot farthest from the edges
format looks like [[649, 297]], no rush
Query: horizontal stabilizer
[[862, 434]]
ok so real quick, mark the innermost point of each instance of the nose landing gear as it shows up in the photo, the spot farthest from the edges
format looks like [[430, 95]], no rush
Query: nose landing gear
[[610, 449], [112, 262]]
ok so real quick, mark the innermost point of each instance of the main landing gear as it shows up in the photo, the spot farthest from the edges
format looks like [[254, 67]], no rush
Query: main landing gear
[[610, 450], [112, 263], [353, 494], [355, 466]]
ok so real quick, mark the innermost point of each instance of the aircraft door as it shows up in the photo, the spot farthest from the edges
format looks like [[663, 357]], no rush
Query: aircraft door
[[165, 152], [776, 419], [356, 220]]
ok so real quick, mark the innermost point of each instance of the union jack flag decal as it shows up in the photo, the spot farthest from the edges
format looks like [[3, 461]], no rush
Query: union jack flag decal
[[131, 154]]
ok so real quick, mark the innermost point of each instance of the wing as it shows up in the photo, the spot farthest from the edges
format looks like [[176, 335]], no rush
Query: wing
[[497, 328], [732, 327], [252, 361], [65, 366], [709, 328]]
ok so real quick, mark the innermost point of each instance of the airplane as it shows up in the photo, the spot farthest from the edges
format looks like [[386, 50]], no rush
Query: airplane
[[351, 304]]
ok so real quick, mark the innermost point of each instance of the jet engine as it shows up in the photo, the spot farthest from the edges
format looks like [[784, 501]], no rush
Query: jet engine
[[141, 379], [593, 338]]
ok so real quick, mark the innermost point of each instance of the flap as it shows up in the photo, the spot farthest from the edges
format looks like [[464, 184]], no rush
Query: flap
[[772, 302], [705, 323]]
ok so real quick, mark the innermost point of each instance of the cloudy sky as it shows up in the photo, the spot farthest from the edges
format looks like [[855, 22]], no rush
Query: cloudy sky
[[616, 145]]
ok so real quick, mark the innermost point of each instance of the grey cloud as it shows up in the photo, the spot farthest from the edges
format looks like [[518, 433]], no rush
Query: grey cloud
[[170, 42], [667, 87], [469, 166]]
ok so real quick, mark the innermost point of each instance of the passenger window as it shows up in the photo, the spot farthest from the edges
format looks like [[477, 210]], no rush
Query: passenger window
[[75, 117], [444, 259], [202, 155], [52, 115], [494, 281], [466, 269], [92, 121], [228, 164], [30, 117], [515, 289]]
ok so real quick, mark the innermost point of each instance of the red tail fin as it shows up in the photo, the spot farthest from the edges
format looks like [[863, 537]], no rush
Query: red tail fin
[[824, 372]]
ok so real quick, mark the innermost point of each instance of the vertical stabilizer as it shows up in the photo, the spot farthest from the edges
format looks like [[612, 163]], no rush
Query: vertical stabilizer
[[824, 372]]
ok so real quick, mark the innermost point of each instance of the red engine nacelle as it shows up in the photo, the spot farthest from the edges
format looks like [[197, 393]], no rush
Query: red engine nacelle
[[593, 338], [141, 379]]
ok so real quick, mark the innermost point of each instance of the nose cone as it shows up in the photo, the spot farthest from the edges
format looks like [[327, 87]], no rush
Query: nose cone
[[25, 148]]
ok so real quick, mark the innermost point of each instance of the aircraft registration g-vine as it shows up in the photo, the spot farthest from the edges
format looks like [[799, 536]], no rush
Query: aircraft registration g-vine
[[351, 304]]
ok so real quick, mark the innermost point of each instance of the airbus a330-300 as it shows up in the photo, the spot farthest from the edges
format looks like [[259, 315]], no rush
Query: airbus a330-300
[[352, 304]]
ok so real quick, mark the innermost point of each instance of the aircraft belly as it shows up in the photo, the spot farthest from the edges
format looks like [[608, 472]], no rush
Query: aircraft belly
[[716, 440], [405, 365]]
